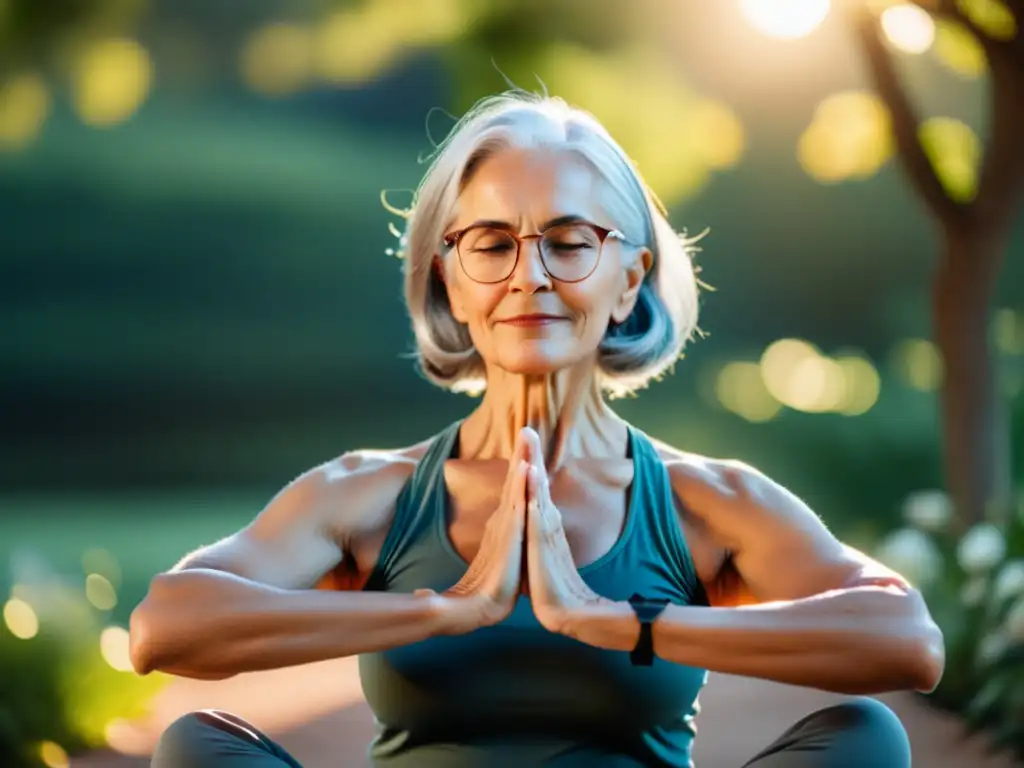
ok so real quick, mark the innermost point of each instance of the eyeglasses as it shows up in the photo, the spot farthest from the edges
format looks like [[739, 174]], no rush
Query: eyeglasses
[[569, 252]]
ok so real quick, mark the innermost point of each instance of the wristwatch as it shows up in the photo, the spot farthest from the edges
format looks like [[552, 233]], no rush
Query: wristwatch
[[646, 610]]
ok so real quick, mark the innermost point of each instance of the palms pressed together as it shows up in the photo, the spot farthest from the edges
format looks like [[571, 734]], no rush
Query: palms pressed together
[[523, 549]]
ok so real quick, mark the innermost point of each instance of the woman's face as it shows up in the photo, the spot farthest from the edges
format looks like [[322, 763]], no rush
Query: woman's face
[[530, 323]]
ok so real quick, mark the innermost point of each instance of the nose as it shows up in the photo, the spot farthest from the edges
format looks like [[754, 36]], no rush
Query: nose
[[530, 276]]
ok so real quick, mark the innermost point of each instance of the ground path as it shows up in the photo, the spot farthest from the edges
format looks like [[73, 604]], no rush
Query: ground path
[[318, 713]]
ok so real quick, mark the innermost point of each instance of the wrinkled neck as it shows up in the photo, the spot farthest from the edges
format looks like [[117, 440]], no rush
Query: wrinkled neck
[[565, 408]]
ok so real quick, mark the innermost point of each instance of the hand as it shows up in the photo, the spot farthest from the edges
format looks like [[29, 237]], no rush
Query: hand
[[487, 593], [555, 586]]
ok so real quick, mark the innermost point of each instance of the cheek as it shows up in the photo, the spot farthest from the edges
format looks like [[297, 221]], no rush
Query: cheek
[[475, 303], [594, 298]]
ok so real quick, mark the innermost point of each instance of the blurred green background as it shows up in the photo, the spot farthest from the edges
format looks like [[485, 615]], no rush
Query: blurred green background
[[198, 302]]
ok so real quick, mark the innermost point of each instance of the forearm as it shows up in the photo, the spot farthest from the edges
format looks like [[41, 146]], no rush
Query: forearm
[[208, 624], [862, 640]]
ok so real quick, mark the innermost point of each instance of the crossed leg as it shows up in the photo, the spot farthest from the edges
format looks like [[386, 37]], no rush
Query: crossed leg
[[860, 733]]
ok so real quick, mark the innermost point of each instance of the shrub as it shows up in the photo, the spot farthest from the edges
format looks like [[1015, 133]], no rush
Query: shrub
[[65, 672], [975, 588]]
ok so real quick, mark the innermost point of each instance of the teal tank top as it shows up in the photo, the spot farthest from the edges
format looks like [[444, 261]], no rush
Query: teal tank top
[[515, 694]]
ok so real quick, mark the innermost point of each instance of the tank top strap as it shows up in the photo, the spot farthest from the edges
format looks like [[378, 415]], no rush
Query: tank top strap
[[659, 525], [416, 506]]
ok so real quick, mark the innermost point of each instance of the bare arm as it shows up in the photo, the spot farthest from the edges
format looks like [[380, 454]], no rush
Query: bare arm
[[247, 602], [793, 605]]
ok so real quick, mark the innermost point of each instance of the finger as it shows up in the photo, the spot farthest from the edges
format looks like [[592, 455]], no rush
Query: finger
[[507, 488], [533, 452], [516, 508], [536, 503], [544, 515]]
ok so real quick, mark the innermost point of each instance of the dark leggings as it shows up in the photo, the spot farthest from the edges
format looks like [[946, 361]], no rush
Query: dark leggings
[[861, 733]]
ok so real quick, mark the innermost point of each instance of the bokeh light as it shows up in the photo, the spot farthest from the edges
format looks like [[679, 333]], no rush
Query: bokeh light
[[739, 388], [100, 592], [958, 50], [98, 560], [356, 44], [785, 19], [918, 363], [955, 152], [114, 647], [111, 81], [277, 60], [992, 17], [21, 619], [53, 755], [793, 373], [716, 133], [849, 137], [1008, 331], [346, 51], [863, 385], [24, 107], [908, 28]]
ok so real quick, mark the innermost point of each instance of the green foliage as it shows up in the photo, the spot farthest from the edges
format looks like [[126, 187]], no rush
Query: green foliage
[[58, 687], [976, 592]]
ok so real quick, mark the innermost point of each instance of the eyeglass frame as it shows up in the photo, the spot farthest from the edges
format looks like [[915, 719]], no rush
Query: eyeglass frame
[[451, 240]]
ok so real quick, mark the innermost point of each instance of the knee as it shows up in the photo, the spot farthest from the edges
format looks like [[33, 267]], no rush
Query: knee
[[876, 731], [194, 740]]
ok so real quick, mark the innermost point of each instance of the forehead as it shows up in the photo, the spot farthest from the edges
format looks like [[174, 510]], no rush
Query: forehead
[[519, 185]]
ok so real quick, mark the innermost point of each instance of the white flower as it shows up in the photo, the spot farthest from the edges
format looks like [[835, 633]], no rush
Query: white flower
[[992, 646], [973, 592], [981, 548], [911, 553], [1010, 581], [1015, 621], [928, 510]]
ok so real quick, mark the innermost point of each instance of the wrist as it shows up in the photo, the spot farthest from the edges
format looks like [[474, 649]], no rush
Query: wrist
[[454, 614], [609, 624], [438, 612]]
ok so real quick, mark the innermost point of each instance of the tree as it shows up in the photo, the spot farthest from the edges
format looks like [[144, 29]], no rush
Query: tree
[[359, 39], [975, 234]]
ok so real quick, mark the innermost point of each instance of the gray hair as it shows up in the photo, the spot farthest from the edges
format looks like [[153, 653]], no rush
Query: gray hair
[[632, 353]]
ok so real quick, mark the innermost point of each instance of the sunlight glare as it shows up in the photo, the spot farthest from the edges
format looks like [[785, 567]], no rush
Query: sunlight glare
[[909, 28], [785, 19]]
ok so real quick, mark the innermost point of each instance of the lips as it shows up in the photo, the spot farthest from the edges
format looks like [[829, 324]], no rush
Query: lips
[[531, 320]]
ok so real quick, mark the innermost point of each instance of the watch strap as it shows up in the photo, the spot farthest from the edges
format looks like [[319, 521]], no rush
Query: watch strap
[[646, 610]]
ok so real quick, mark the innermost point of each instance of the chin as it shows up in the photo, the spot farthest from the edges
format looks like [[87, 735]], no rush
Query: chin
[[537, 362]]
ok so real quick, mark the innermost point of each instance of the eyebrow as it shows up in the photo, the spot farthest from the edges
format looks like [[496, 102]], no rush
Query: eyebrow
[[569, 218]]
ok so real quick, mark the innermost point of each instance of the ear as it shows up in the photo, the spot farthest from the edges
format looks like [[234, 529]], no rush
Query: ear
[[636, 271], [451, 289]]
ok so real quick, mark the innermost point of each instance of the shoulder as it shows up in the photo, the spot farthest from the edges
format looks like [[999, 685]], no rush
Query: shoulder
[[696, 478], [356, 491]]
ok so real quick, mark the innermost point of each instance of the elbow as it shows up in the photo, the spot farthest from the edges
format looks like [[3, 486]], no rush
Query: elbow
[[144, 627], [928, 647], [139, 644], [929, 658], [155, 640]]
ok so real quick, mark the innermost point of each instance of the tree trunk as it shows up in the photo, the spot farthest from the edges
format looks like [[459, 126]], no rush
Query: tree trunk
[[976, 439]]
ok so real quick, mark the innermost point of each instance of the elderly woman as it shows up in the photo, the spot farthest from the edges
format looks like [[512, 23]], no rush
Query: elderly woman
[[541, 583]]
